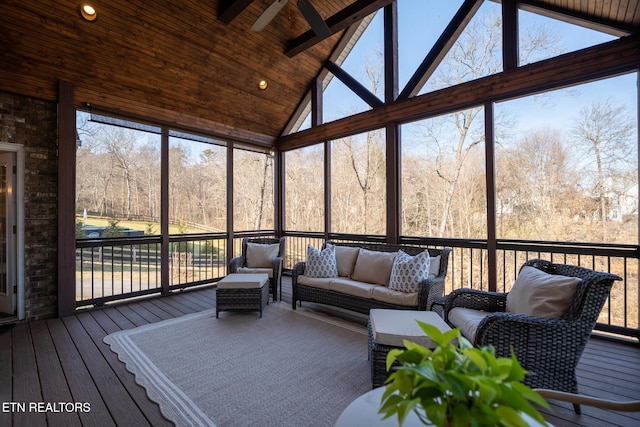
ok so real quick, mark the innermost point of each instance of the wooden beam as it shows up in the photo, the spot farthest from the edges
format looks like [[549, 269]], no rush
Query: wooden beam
[[162, 116], [66, 200], [164, 211], [317, 109], [391, 52], [338, 22], [440, 48], [353, 84], [340, 47], [509, 34], [232, 8], [607, 59], [490, 176]]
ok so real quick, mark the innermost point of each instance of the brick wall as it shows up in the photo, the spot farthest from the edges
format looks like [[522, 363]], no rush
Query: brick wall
[[33, 123]]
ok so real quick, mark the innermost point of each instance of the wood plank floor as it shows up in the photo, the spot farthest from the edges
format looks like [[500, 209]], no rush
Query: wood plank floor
[[64, 361]]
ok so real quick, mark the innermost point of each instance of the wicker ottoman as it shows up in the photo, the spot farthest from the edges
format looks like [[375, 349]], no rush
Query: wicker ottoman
[[387, 329], [242, 292]]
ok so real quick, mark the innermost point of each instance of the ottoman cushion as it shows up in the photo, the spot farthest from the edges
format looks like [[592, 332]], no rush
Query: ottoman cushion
[[243, 281]]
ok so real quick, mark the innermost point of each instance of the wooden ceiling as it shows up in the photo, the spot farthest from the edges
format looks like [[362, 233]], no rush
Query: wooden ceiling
[[177, 62]]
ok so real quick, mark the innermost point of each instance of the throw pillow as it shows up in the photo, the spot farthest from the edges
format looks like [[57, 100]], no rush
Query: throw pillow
[[321, 264], [408, 271], [346, 258], [260, 255], [373, 267], [541, 294]]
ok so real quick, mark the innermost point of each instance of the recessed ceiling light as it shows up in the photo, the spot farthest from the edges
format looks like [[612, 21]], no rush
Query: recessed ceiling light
[[88, 12], [262, 84]]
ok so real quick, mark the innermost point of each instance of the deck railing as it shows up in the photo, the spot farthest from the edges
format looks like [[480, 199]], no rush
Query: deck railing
[[110, 269]]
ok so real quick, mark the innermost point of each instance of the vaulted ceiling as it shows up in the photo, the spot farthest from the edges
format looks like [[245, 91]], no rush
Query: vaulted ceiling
[[196, 64]]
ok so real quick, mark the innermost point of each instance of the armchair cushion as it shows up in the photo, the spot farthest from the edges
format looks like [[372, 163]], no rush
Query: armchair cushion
[[408, 271], [260, 255], [434, 266], [467, 320], [541, 294], [321, 264], [373, 267]]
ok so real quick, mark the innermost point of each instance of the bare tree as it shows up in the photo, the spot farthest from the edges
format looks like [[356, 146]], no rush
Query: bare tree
[[603, 132], [476, 53], [537, 187]]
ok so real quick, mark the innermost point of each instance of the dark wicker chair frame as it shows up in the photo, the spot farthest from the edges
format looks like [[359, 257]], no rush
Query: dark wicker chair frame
[[276, 278], [549, 349], [429, 289]]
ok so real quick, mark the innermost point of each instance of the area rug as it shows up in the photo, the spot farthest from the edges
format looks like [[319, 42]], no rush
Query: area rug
[[288, 368]]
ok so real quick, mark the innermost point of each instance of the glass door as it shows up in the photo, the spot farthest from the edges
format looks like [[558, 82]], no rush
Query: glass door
[[7, 234]]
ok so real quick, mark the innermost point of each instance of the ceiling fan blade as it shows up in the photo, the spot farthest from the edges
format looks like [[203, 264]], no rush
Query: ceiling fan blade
[[314, 19], [268, 14]]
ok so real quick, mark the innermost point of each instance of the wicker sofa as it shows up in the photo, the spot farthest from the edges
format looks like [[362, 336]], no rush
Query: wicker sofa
[[348, 292]]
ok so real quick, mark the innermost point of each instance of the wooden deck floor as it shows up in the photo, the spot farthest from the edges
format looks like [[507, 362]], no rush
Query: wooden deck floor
[[63, 361]]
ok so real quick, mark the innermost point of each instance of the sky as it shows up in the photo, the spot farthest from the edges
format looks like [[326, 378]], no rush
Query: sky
[[420, 24]]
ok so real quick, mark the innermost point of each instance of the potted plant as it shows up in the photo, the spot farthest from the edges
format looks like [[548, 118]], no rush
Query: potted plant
[[458, 385]]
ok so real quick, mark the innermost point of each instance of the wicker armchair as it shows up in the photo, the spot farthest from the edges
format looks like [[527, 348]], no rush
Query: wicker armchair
[[239, 264], [549, 349]]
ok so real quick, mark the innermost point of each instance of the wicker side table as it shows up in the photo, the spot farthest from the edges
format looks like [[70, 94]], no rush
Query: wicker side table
[[387, 330], [242, 292]]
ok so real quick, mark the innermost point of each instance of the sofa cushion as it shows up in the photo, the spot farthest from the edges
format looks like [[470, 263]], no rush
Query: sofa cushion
[[408, 271], [321, 264], [247, 270], [537, 293], [373, 266], [346, 259], [260, 255], [352, 287], [314, 282], [384, 294], [467, 320]]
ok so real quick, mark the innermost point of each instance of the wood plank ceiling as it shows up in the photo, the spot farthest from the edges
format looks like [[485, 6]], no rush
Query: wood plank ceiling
[[177, 62]]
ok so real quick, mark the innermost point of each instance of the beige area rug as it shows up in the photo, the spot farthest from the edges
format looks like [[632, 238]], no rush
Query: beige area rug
[[288, 368]]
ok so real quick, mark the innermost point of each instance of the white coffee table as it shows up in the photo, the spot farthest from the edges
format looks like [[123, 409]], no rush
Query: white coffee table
[[363, 412]]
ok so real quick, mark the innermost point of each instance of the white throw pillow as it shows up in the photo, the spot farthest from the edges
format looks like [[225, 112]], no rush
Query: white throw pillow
[[408, 271], [541, 294], [373, 267], [260, 255], [321, 264]]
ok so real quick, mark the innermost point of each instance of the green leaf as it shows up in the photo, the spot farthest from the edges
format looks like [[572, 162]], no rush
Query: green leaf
[[392, 356], [476, 358], [509, 417]]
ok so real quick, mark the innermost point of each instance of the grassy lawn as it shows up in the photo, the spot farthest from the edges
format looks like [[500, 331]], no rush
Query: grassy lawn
[[137, 225]]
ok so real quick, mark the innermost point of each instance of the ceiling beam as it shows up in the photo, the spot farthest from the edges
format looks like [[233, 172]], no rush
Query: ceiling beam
[[440, 48], [357, 87], [336, 56], [231, 9], [615, 57], [338, 22]]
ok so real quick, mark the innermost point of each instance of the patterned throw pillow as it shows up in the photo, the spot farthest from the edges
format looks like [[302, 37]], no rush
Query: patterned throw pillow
[[408, 271], [321, 264]]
